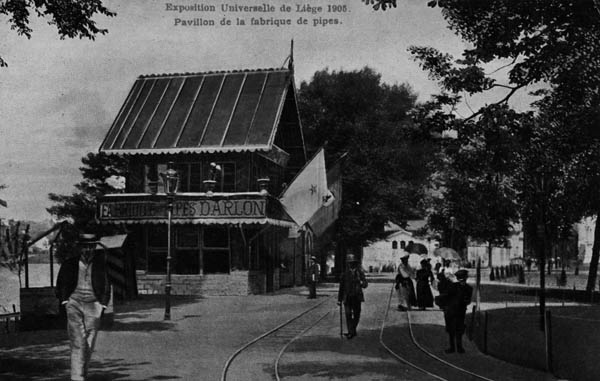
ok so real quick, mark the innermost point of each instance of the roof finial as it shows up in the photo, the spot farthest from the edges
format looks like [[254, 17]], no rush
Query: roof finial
[[291, 62]]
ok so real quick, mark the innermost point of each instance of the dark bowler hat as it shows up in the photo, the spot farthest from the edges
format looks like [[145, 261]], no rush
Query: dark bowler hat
[[351, 258], [462, 274]]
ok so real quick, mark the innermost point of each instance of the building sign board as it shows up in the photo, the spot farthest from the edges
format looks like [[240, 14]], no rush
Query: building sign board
[[182, 209]]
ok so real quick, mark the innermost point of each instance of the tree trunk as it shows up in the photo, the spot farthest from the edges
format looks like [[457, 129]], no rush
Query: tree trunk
[[591, 283], [490, 254], [542, 247]]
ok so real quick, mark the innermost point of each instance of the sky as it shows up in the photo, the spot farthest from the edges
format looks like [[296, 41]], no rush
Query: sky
[[58, 98]]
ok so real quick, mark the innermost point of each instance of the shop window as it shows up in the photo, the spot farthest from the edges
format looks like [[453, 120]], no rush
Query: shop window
[[157, 261], [157, 236], [185, 255], [160, 169], [187, 252], [190, 177], [187, 237], [186, 261], [394, 245], [216, 237], [215, 250], [195, 177]]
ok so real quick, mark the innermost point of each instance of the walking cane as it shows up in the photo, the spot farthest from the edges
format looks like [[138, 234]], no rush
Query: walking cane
[[341, 322]]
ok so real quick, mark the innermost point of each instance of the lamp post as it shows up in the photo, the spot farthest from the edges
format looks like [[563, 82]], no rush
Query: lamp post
[[541, 190], [171, 183]]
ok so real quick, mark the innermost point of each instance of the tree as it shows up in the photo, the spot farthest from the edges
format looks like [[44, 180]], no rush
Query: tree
[[385, 168], [474, 184], [80, 206], [72, 18], [553, 42]]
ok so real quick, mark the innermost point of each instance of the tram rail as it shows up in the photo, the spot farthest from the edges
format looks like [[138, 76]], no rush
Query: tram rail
[[437, 359], [276, 341], [279, 338]]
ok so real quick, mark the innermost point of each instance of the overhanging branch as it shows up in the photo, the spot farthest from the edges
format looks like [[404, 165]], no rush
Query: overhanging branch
[[501, 101]]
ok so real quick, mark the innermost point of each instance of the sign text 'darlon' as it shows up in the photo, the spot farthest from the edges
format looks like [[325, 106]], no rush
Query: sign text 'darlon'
[[183, 209]]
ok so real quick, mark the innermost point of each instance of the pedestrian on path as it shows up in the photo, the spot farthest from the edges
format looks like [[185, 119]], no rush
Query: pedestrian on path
[[424, 280], [314, 271], [351, 293], [404, 285], [458, 298], [83, 288]]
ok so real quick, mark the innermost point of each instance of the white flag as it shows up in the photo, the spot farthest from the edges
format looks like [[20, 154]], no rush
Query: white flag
[[308, 191]]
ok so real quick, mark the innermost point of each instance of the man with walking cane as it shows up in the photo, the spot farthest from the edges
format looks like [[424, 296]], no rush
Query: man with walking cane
[[351, 294]]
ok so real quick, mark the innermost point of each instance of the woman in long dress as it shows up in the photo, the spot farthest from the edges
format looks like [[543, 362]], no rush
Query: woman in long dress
[[424, 277], [404, 285]]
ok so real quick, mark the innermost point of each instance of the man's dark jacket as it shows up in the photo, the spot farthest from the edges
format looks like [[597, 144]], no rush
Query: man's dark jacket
[[69, 272], [351, 285]]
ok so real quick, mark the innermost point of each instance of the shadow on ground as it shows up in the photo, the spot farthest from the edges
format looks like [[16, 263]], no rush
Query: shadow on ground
[[47, 362], [149, 302], [360, 355], [139, 326]]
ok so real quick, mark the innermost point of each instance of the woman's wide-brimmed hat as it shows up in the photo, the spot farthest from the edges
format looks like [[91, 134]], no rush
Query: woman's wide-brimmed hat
[[88, 239]]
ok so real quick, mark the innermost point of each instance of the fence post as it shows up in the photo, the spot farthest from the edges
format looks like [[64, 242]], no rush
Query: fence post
[[485, 332], [470, 333], [52, 264], [548, 336], [17, 318]]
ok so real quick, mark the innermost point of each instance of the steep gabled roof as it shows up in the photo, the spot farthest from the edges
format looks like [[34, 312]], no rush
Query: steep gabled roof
[[200, 112]]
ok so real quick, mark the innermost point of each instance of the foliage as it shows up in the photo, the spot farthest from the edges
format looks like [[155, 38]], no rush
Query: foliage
[[474, 181], [13, 246], [385, 168], [556, 44], [72, 18], [80, 206]]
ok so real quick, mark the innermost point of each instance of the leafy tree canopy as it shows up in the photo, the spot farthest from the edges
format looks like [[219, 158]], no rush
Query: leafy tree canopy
[[552, 42], [72, 18], [353, 112], [80, 206]]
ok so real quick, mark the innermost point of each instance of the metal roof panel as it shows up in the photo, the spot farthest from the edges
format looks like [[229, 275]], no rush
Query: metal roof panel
[[223, 109], [120, 119], [245, 110], [199, 111], [267, 113]]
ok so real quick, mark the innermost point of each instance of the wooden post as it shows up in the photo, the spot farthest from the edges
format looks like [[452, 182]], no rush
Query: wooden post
[[548, 336], [52, 265], [470, 333], [485, 332], [26, 260]]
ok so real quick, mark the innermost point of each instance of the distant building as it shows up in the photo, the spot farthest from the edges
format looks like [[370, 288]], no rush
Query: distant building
[[501, 255], [585, 240], [386, 253]]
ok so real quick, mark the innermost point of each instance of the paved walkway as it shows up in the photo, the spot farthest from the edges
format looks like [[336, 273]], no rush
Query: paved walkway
[[204, 332]]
